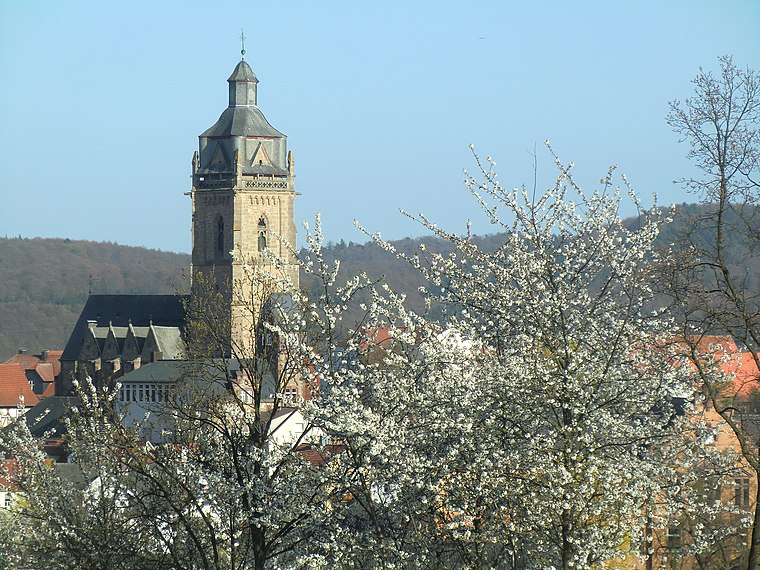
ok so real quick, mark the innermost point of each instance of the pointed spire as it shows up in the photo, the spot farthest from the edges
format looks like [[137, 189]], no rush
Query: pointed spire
[[242, 81], [242, 85]]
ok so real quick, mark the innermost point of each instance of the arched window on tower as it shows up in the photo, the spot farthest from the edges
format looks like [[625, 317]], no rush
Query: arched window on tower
[[262, 233], [220, 237]]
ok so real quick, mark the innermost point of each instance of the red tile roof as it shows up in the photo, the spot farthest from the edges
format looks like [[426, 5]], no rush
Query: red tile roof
[[317, 456], [740, 366], [45, 370], [38, 368], [7, 470], [27, 361], [13, 384], [746, 374], [35, 361], [49, 391]]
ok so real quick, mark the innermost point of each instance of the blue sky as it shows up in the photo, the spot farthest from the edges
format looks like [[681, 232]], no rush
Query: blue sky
[[101, 103]]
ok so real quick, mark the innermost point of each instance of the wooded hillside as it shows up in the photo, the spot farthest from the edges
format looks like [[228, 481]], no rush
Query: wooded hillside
[[44, 282]]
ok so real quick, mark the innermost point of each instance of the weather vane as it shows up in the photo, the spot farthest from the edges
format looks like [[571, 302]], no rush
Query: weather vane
[[242, 44]]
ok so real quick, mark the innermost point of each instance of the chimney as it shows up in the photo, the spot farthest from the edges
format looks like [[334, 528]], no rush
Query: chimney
[[44, 355], [21, 350]]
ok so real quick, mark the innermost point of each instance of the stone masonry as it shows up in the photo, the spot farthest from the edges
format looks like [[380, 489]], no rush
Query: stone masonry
[[243, 205]]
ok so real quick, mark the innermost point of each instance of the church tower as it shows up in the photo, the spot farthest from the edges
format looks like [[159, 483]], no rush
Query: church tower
[[243, 205]]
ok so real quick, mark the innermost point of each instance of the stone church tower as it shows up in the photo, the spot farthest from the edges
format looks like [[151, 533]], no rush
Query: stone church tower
[[243, 205]]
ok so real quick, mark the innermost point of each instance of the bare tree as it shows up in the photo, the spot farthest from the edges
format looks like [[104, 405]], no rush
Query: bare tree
[[716, 291], [216, 474]]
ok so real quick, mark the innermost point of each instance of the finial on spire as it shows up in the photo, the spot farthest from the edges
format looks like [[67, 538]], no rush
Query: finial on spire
[[242, 44]]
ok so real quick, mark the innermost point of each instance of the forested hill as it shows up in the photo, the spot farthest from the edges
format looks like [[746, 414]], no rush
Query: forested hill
[[44, 282]]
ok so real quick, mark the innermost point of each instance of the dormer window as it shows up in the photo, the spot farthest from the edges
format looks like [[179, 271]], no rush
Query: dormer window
[[262, 227]]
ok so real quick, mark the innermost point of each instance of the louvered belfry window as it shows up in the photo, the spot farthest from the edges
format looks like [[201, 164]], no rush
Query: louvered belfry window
[[220, 236], [262, 233]]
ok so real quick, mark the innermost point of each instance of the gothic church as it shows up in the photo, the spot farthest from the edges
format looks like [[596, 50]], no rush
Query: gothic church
[[242, 205]]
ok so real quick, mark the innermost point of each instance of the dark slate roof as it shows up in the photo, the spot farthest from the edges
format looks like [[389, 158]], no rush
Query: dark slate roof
[[73, 473], [206, 376], [163, 310], [264, 169], [243, 72], [170, 342], [161, 371], [46, 418], [118, 332], [242, 121], [278, 305], [173, 370]]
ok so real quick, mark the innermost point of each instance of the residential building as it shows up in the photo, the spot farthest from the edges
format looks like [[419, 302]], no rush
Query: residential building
[[40, 369], [16, 394]]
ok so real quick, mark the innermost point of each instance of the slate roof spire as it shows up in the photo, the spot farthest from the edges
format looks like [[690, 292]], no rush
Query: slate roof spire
[[243, 84], [240, 126]]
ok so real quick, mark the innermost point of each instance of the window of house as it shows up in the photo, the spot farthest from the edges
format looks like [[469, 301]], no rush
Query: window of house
[[153, 392], [246, 397], [290, 394], [715, 493], [674, 538], [741, 492], [713, 490]]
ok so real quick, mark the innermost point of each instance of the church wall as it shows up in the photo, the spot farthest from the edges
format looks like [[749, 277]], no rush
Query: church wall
[[274, 207], [209, 206], [253, 179]]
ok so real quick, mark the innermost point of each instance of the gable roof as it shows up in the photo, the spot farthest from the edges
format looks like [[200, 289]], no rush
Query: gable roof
[[739, 366], [39, 362], [160, 371], [46, 418], [169, 340], [13, 385], [27, 361], [46, 371], [141, 310]]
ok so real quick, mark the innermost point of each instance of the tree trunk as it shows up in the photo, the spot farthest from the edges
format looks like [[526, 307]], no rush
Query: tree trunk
[[753, 559], [567, 547]]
